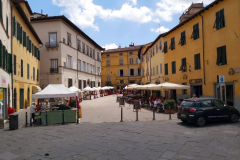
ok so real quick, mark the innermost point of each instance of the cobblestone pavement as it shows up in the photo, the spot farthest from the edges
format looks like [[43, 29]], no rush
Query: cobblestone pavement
[[142, 140]]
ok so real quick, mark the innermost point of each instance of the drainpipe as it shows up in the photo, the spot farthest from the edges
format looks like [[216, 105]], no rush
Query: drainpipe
[[12, 51], [77, 56], [204, 74]]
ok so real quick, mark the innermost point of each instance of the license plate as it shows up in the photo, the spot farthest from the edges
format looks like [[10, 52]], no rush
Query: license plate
[[183, 115]]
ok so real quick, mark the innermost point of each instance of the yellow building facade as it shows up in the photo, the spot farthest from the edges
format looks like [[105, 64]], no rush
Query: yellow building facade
[[121, 67], [202, 52], [26, 56]]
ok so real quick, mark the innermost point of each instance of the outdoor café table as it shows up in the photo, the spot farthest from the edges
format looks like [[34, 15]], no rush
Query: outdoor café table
[[55, 117]]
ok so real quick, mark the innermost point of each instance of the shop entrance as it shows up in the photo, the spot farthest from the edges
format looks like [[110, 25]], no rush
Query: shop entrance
[[196, 89], [21, 101], [174, 94], [225, 93]]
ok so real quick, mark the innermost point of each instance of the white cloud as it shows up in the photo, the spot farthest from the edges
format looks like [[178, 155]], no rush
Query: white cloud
[[162, 29], [134, 2], [110, 46]]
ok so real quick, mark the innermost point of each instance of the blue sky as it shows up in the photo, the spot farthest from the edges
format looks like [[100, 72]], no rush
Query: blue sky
[[114, 22]]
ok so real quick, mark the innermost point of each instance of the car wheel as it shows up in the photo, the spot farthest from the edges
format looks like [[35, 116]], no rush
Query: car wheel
[[234, 118], [201, 121], [185, 121]]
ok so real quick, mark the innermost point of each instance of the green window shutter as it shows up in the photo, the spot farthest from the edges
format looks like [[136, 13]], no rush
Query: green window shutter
[[1, 53], [224, 55], [35, 51], [7, 24], [166, 69], [30, 46], [199, 61], [14, 25], [219, 53], [27, 71], [6, 60], [37, 74], [27, 43], [1, 9], [33, 73], [9, 63], [222, 20], [18, 31], [39, 55], [173, 67], [3, 59], [20, 35], [24, 39], [14, 62]]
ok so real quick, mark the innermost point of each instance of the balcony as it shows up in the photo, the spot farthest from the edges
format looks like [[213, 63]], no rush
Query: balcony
[[53, 70], [108, 83], [51, 44]]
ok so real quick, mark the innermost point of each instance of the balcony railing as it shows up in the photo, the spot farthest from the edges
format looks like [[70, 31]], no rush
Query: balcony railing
[[51, 44], [53, 70], [108, 83]]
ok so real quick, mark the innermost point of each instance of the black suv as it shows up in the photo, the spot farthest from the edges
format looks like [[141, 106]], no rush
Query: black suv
[[202, 110]]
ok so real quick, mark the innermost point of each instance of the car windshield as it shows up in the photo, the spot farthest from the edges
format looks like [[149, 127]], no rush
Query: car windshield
[[187, 103]]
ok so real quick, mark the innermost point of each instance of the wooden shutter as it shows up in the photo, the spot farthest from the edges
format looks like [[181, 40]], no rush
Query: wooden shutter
[[1, 9], [38, 54], [30, 46], [27, 71], [224, 55], [7, 24], [222, 20], [24, 39], [18, 31], [196, 61], [15, 61], [20, 36], [1, 53], [219, 53], [173, 67], [9, 63], [37, 74], [14, 26], [34, 74], [166, 69], [184, 38], [27, 41], [216, 24], [135, 72]]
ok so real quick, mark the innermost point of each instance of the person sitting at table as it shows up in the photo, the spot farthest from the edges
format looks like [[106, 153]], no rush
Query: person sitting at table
[[159, 103], [155, 103], [154, 98]]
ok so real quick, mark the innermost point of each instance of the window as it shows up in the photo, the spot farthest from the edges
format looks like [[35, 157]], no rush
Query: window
[[27, 71], [52, 39], [69, 62], [220, 20], [121, 73], [87, 68], [78, 45], [109, 79], [157, 70], [121, 81], [195, 34], [165, 47], [183, 67], [80, 84], [94, 69], [166, 69], [37, 74], [182, 39], [69, 42], [160, 45], [108, 62], [94, 54], [21, 68], [173, 67], [184, 91], [69, 82], [217, 103], [120, 54], [99, 73], [221, 56], [108, 55], [98, 57], [83, 49], [161, 68], [153, 51], [130, 60], [99, 84], [108, 71], [15, 62], [130, 53], [131, 72], [88, 50], [54, 66], [197, 61], [84, 66], [79, 65], [172, 45], [120, 61], [84, 84], [139, 72], [156, 48], [138, 61], [34, 73], [91, 52], [131, 81], [153, 71], [90, 68]]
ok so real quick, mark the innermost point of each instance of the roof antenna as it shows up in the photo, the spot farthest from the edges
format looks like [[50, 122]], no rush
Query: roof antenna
[[41, 11], [159, 29]]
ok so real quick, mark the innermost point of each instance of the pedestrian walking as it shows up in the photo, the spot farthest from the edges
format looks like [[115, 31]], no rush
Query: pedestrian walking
[[32, 113]]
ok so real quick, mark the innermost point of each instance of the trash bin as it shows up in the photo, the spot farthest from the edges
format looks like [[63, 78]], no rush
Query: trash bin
[[13, 121]]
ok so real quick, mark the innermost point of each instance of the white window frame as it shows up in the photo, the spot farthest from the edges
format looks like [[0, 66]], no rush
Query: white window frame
[[84, 66], [69, 62], [79, 65]]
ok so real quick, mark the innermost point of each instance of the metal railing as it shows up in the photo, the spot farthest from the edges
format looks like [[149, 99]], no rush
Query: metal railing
[[51, 44], [53, 70]]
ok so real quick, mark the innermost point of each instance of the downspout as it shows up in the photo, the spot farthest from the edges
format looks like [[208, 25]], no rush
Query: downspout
[[77, 56], [12, 52], [204, 74]]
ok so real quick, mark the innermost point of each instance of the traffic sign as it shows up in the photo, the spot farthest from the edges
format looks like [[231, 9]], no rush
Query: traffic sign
[[221, 78]]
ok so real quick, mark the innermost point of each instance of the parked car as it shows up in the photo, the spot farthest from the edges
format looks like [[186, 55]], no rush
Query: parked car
[[202, 110]]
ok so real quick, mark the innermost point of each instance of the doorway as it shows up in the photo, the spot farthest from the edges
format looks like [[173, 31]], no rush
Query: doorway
[[196, 89], [225, 93], [15, 100], [21, 102], [174, 94]]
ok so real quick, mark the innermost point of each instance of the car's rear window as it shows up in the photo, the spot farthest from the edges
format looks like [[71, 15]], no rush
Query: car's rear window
[[187, 103]]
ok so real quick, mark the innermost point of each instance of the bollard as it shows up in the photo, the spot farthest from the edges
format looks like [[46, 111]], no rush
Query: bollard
[[170, 118], [46, 119], [121, 115], [137, 115], [63, 123], [153, 114], [26, 120], [78, 116]]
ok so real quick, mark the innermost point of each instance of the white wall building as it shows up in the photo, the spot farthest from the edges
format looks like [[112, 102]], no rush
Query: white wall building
[[5, 58], [69, 56]]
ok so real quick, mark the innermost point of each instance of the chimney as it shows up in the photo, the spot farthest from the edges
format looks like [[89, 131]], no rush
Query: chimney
[[132, 44], [119, 46], [194, 8]]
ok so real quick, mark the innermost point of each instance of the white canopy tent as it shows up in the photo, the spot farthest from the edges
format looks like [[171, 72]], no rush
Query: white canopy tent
[[74, 89], [54, 91], [163, 86], [88, 89], [105, 88]]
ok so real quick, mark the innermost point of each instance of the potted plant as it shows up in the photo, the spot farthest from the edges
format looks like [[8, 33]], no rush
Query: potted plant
[[170, 104], [26, 103]]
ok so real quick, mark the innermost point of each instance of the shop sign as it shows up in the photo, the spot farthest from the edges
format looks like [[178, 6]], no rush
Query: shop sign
[[192, 81], [1, 94], [3, 81], [237, 70], [221, 78]]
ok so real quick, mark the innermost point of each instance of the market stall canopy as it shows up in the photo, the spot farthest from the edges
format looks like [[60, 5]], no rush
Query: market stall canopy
[[110, 87], [96, 89], [74, 89], [105, 88], [100, 88], [36, 89], [147, 86], [54, 91], [163, 86], [88, 89], [133, 86]]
